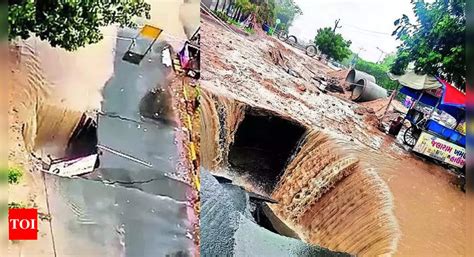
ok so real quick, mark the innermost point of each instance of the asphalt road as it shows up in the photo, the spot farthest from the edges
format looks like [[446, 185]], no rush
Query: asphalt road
[[128, 206]]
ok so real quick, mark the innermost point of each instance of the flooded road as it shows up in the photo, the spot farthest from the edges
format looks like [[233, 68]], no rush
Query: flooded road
[[429, 210], [382, 181]]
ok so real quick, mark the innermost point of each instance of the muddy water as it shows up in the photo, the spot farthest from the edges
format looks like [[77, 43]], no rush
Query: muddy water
[[429, 210], [324, 194], [387, 199], [331, 201], [55, 87]]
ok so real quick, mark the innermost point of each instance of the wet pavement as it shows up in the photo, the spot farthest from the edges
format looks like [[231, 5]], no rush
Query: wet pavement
[[129, 205]]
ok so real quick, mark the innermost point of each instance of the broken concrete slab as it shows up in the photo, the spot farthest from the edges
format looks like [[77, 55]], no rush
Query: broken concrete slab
[[227, 229]]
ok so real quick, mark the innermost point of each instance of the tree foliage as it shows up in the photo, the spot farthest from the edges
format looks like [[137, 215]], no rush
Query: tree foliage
[[332, 44], [435, 42], [266, 13], [378, 70], [14, 175], [286, 11], [242, 9], [71, 24]]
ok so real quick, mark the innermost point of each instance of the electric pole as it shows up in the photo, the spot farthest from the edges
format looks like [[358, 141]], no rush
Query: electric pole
[[382, 52], [336, 23], [353, 62]]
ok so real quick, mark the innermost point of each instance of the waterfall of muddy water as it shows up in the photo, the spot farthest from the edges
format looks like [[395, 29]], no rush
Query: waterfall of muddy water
[[330, 201], [220, 118], [59, 87], [323, 194]]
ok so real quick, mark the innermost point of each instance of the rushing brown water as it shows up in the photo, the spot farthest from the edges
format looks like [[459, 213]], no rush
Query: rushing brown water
[[429, 210], [220, 119], [323, 193], [331, 201], [49, 101]]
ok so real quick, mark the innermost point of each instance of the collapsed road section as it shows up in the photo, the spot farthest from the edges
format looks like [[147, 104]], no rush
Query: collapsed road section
[[319, 194], [345, 186], [263, 143], [230, 229], [138, 199]]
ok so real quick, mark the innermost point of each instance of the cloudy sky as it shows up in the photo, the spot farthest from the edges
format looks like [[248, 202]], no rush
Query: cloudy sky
[[367, 23]]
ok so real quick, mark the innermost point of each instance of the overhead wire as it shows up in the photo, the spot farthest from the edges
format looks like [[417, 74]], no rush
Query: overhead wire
[[368, 30]]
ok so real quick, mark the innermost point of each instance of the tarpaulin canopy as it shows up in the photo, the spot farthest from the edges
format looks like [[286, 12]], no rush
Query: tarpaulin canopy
[[449, 104], [416, 81], [427, 99], [452, 96]]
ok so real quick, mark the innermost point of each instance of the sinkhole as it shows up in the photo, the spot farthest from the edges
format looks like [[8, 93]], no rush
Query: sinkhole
[[263, 144], [83, 140]]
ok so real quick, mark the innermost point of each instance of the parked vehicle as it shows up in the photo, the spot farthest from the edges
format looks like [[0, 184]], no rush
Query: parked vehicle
[[310, 50]]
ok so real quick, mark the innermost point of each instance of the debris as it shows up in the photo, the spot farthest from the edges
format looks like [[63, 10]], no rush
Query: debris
[[301, 88], [278, 59], [293, 73], [335, 88], [361, 110]]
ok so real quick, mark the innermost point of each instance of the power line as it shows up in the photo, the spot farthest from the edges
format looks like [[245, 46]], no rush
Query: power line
[[368, 30]]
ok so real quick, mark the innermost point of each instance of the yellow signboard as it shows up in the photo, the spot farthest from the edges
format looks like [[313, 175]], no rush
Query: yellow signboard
[[150, 32], [441, 150]]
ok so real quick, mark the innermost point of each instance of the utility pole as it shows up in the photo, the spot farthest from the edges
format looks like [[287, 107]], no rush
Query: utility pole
[[356, 56], [382, 52], [336, 23]]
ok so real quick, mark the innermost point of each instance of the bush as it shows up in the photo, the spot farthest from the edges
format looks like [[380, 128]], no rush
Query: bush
[[221, 15], [234, 22], [250, 31], [15, 205], [14, 175], [378, 71]]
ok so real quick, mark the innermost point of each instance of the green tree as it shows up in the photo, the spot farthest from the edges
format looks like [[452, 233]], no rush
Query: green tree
[[379, 71], [71, 24], [243, 7], [266, 12], [435, 42], [3, 22], [286, 11], [388, 61], [332, 44]]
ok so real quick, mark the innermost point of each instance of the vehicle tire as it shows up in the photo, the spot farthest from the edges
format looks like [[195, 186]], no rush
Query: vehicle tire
[[411, 135], [292, 40], [311, 51], [282, 35]]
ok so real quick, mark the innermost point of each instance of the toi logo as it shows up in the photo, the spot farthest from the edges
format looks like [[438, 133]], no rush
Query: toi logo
[[23, 224]]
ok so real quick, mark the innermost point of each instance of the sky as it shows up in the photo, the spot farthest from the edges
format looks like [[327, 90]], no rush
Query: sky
[[367, 23]]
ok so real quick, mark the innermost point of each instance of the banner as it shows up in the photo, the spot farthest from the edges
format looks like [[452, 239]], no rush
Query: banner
[[441, 150]]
